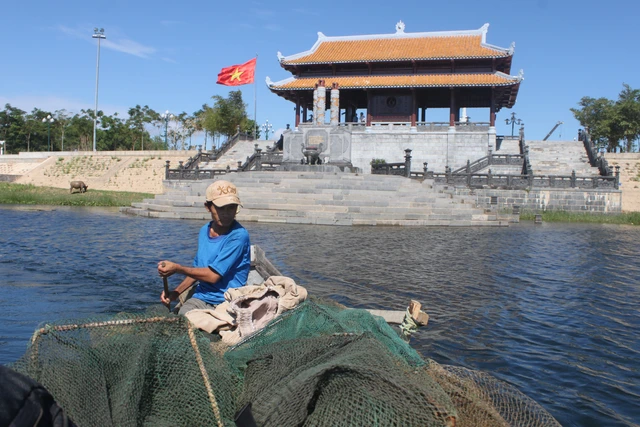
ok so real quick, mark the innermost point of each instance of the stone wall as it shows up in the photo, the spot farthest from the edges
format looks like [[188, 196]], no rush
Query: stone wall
[[438, 148], [569, 200]]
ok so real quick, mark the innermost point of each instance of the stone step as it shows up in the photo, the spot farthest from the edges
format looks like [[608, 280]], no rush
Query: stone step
[[327, 198]]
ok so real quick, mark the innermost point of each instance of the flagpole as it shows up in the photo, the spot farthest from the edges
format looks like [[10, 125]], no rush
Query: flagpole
[[255, 100]]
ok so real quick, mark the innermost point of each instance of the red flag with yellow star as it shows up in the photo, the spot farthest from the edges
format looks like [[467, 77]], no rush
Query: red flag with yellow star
[[237, 75]]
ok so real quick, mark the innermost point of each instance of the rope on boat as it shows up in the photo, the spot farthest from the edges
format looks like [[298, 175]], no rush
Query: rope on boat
[[48, 328], [408, 325], [205, 376]]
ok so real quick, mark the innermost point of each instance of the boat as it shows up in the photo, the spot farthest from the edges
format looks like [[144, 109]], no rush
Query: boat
[[319, 363], [261, 269]]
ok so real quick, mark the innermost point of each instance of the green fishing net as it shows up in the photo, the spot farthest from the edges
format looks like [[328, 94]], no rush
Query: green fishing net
[[317, 365]]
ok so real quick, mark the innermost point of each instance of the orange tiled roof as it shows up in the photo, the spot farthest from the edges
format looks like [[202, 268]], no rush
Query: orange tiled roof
[[424, 80], [396, 49]]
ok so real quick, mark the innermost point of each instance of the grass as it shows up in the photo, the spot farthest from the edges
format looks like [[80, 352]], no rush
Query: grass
[[630, 218], [32, 195]]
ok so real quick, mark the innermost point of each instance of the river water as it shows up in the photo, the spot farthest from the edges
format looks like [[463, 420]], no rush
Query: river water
[[551, 309]]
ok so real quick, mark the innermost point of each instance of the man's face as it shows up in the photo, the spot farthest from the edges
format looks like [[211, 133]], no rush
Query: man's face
[[223, 216]]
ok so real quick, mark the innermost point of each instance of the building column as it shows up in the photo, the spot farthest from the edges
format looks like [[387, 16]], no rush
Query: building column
[[335, 104], [492, 124], [492, 110], [369, 108], [414, 110], [304, 114], [452, 108], [315, 105], [321, 103], [424, 114], [297, 112]]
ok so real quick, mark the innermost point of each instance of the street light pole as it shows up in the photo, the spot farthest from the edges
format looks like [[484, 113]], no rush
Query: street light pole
[[97, 34], [48, 120], [267, 127], [513, 121], [166, 117]]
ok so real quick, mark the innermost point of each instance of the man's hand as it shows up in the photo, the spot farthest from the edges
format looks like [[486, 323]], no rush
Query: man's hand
[[173, 295], [167, 268]]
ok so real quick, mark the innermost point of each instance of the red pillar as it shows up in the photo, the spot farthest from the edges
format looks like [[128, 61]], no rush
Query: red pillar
[[368, 108], [452, 108], [297, 113], [414, 108], [492, 112]]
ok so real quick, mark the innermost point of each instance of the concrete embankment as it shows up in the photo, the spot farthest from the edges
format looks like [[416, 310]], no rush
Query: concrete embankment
[[137, 171]]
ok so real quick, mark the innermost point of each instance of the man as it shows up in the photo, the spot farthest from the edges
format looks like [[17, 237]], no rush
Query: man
[[223, 258]]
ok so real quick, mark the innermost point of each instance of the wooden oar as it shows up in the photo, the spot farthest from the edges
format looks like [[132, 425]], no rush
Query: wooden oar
[[166, 288]]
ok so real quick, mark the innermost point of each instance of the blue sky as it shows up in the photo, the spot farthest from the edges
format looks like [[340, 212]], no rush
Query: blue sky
[[167, 54]]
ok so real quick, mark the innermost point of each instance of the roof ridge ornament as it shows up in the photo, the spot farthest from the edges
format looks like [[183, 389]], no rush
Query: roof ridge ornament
[[512, 48], [400, 27], [268, 81], [280, 56], [521, 74]]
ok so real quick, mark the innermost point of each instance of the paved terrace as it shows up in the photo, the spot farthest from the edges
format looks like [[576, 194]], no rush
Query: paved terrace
[[327, 198]]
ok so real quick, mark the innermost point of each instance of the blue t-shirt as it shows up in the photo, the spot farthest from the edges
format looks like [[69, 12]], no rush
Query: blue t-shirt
[[229, 256]]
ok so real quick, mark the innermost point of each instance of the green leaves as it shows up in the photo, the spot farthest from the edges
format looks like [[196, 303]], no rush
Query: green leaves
[[612, 124], [227, 115]]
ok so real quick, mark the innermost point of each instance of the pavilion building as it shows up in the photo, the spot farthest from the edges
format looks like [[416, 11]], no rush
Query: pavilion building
[[395, 79]]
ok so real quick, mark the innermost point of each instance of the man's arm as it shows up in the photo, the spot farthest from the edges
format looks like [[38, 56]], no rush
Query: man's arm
[[193, 274]]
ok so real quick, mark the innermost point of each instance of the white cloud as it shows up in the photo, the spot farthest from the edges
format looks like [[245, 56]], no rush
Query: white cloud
[[113, 41], [129, 46]]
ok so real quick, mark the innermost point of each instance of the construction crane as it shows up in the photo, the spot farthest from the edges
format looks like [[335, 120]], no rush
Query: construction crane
[[551, 131]]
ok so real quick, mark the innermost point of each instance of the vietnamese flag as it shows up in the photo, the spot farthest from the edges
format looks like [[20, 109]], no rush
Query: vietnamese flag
[[237, 75]]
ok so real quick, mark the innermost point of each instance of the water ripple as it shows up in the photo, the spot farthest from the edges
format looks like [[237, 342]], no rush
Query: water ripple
[[551, 309]]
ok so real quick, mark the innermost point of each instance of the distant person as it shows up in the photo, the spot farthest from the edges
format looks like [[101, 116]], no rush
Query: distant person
[[362, 118], [280, 143], [223, 257]]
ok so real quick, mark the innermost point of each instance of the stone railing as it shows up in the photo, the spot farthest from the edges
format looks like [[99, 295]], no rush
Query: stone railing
[[191, 165], [468, 175], [507, 181], [192, 174], [420, 126], [259, 161], [594, 159], [492, 159], [402, 169]]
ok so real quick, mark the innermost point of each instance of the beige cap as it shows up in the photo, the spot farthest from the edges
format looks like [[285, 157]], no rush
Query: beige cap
[[223, 193]]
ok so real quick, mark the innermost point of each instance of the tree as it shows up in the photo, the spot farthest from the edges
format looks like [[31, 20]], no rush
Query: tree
[[609, 122], [596, 114], [628, 115], [11, 123], [62, 121], [227, 115], [138, 116], [31, 125]]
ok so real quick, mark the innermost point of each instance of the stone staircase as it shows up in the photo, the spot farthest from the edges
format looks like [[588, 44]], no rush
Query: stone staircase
[[238, 153], [328, 198], [560, 158]]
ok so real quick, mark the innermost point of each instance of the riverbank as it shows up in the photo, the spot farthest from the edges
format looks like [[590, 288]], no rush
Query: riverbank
[[144, 171], [32, 195], [628, 218]]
